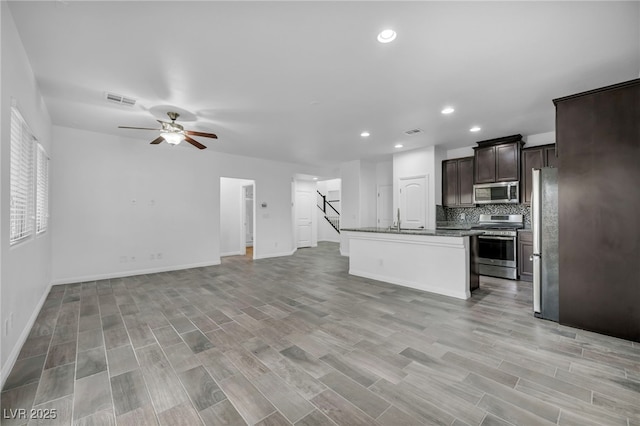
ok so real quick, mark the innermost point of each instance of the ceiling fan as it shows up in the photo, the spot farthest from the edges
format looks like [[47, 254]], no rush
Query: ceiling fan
[[174, 133]]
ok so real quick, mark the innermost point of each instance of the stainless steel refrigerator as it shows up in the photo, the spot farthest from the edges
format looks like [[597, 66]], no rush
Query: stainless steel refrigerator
[[544, 224]]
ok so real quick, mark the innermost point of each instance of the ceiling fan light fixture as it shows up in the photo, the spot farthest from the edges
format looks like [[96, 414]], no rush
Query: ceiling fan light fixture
[[173, 138], [173, 133]]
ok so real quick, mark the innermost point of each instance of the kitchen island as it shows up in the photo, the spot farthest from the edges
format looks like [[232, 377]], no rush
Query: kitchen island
[[437, 261]]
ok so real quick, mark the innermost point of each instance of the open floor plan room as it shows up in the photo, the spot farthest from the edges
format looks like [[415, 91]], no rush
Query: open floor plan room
[[297, 340]]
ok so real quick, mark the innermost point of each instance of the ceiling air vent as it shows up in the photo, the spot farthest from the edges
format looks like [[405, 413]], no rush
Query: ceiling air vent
[[119, 99], [413, 132]]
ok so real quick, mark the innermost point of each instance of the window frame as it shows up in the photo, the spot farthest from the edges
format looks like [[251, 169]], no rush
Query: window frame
[[21, 178], [41, 190]]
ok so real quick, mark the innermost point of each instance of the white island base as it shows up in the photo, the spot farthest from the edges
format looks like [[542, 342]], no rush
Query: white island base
[[434, 263]]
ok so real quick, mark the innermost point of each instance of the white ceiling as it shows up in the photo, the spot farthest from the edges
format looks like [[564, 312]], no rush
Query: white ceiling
[[299, 81]]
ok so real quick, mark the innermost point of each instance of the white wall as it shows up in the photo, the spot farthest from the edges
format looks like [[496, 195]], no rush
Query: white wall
[[358, 197], [177, 208], [467, 151], [420, 162], [439, 155], [368, 194], [25, 274], [384, 173], [539, 139], [350, 200], [231, 217], [384, 207]]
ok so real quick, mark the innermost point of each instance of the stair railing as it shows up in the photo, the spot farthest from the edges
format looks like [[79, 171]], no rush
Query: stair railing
[[333, 216]]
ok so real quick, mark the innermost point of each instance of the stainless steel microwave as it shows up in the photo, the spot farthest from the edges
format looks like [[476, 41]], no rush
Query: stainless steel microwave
[[497, 193]]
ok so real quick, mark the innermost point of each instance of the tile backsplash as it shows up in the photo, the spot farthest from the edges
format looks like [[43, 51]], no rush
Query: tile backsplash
[[472, 214]]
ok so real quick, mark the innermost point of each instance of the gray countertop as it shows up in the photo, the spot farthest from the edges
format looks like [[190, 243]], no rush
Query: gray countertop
[[454, 225], [430, 232]]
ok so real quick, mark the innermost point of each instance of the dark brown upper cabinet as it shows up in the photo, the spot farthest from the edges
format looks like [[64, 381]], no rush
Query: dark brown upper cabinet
[[535, 158], [498, 160], [457, 182], [550, 158]]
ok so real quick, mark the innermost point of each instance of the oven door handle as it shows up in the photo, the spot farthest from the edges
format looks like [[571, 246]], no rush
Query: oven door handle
[[496, 238]]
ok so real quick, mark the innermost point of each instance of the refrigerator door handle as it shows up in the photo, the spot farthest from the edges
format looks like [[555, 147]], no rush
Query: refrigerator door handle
[[537, 295], [535, 209]]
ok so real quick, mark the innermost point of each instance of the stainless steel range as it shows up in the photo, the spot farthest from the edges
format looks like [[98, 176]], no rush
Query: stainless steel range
[[497, 247]]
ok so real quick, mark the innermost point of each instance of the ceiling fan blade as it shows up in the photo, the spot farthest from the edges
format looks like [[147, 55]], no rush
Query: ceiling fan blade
[[204, 135], [136, 128], [157, 140], [194, 142]]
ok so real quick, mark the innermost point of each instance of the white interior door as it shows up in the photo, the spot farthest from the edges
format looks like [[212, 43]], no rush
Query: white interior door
[[304, 221], [385, 206], [413, 202]]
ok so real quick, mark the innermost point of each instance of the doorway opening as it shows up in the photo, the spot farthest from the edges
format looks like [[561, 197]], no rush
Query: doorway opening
[[329, 206], [237, 217], [247, 214]]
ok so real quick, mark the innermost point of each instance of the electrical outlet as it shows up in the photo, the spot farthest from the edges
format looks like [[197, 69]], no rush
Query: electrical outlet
[[463, 216]]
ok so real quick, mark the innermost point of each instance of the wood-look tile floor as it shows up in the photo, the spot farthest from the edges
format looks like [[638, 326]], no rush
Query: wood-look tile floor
[[296, 340]]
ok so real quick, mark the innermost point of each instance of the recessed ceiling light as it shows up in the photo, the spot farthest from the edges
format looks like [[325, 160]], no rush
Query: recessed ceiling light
[[387, 36], [398, 145], [447, 110], [315, 178], [365, 134], [474, 129]]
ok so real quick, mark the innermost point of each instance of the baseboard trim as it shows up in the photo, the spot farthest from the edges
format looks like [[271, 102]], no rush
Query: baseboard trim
[[232, 253], [329, 240], [417, 286], [13, 356], [72, 280], [270, 255]]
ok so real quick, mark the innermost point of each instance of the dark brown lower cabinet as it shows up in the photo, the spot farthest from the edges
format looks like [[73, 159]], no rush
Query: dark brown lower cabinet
[[474, 266], [525, 250], [598, 145]]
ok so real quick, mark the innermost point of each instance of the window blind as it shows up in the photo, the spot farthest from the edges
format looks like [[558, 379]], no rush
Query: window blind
[[42, 190], [21, 179]]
